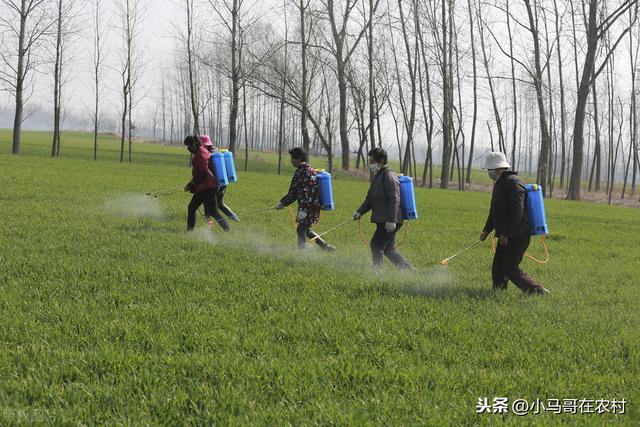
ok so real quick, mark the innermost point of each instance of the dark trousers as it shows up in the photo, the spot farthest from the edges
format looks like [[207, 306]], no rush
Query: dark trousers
[[384, 244], [506, 266], [220, 199], [305, 232], [208, 198]]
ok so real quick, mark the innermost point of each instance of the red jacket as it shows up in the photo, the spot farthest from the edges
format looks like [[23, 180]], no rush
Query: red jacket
[[202, 179]]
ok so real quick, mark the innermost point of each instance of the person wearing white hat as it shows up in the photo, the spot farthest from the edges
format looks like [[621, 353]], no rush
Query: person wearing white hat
[[508, 217]]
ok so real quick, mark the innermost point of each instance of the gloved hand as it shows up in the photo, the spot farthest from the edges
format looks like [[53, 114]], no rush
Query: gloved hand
[[390, 227], [483, 236], [503, 241], [188, 187], [279, 205], [301, 215], [357, 215]]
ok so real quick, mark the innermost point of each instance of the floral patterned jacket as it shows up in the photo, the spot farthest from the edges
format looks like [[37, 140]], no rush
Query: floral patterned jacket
[[304, 189]]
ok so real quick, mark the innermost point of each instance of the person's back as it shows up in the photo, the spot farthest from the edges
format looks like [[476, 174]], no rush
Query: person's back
[[509, 206]]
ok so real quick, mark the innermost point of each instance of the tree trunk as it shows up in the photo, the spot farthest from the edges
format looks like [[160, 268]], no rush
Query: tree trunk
[[543, 160], [57, 85], [304, 90], [475, 93], [513, 89], [190, 65], [235, 78], [563, 113], [20, 76], [446, 105]]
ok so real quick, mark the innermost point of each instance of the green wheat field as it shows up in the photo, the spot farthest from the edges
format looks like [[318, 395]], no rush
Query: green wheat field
[[113, 314]]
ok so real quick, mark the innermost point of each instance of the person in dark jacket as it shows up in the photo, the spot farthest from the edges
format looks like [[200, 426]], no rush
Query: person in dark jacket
[[222, 189], [304, 189], [383, 199], [508, 217], [203, 185]]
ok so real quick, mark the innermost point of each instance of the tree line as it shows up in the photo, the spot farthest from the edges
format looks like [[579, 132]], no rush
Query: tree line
[[551, 83]]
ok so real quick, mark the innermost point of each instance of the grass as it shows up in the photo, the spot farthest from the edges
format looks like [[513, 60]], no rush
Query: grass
[[113, 314]]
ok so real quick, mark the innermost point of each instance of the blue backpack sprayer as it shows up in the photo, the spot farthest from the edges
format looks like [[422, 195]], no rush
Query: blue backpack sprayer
[[219, 167], [230, 166], [326, 190]]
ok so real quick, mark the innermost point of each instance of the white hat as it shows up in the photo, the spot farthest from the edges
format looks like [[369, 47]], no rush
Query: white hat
[[496, 160]]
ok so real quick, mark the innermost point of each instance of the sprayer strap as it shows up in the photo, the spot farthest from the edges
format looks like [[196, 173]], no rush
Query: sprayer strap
[[544, 245]]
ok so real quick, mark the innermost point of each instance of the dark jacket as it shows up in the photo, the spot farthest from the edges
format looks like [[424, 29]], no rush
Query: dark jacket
[[508, 214], [304, 189], [383, 198], [201, 178]]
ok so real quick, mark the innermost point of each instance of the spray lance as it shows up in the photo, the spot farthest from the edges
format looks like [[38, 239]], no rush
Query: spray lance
[[342, 224], [445, 261], [168, 191]]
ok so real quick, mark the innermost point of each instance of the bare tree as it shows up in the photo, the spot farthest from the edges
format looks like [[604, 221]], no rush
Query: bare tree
[[595, 31], [189, 46], [563, 113], [27, 24], [99, 39], [65, 13], [305, 31], [545, 142], [281, 129], [614, 154], [634, 49], [482, 26], [342, 53], [130, 14], [412, 65], [475, 91], [230, 13], [513, 86]]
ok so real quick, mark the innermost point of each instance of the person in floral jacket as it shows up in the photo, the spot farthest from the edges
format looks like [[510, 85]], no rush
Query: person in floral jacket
[[304, 189]]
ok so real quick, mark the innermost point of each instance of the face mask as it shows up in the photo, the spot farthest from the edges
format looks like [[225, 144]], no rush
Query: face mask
[[374, 168], [493, 175]]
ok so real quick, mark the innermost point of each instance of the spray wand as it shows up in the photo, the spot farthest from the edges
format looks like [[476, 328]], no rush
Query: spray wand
[[155, 194], [332, 229], [445, 261]]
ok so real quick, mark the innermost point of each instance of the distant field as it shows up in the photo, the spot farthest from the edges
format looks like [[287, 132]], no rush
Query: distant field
[[79, 145], [112, 314]]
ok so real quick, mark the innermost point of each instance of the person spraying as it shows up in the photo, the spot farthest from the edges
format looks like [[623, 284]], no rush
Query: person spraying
[[383, 199], [220, 192], [508, 217], [304, 189], [203, 185]]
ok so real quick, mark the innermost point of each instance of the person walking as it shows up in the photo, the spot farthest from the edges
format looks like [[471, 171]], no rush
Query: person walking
[[383, 199], [203, 185], [304, 189], [222, 189], [508, 216]]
